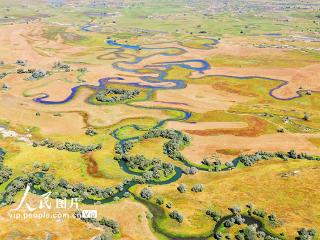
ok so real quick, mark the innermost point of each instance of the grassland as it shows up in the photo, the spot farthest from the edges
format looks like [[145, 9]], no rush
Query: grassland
[[263, 185], [233, 107]]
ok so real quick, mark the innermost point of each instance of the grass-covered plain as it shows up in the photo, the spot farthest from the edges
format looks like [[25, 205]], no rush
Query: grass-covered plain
[[237, 105]]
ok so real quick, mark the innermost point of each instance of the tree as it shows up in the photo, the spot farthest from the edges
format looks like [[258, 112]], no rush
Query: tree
[[146, 193], [197, 188], [160, 200], [169, 205], [249, 233], [306, 117], [126, 194], [306, 234], [38, 74], [229, 165], [111, 224], [235, 210], [45, 167], [182, 188], [229, 223], [177, 216], [214, 215], [91, 132]]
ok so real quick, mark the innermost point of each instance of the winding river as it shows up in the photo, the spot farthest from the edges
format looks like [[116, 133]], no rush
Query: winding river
[[161, 71]]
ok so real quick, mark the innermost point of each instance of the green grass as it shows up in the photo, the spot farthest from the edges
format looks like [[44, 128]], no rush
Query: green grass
[[70, 165], [129, 131], [288, 59]]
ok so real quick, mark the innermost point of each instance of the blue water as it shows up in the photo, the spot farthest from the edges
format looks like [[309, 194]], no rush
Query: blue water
[[273, 34], [86, 28], [114, 43]]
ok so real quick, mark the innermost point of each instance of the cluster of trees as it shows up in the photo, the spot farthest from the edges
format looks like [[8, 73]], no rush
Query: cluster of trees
[[91, 132], [43, 167], [13, 188], [172, 147], [190, 170], [250, 232], [59, 188], [176, 215], [112, 95], [62, 66], [82, 70], [38, 74], [236, 219], [35, 74], [107, 224], [21, 62], [68, 146], [123, 147], [213, 162], [306, 234], [5, 172], [154, 167], [250, 159], [257, 212], [63, 189], [22, 71], [111, 224]]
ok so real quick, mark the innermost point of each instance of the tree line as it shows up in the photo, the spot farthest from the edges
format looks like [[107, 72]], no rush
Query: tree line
[[68, 146]]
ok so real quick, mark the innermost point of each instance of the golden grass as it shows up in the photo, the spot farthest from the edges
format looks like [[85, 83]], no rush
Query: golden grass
[[133, 224], [59, 229], [293, 199], [315, 141]]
